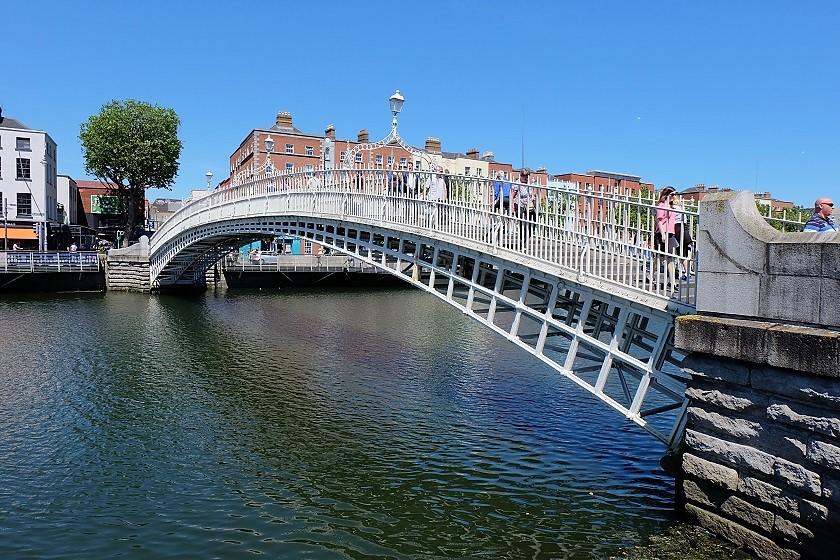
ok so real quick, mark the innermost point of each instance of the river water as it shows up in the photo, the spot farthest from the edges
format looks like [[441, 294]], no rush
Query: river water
[[307, 424]]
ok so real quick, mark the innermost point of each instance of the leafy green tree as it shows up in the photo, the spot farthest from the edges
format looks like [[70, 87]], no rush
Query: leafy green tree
[[134, 146]]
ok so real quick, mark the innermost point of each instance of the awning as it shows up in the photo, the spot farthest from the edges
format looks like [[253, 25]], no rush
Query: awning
[[18, 233]]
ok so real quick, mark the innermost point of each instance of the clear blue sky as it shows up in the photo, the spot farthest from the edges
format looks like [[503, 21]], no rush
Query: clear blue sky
[[742, 94]]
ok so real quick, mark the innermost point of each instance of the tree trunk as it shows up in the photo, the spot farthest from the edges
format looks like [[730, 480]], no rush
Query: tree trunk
[[131, 218]]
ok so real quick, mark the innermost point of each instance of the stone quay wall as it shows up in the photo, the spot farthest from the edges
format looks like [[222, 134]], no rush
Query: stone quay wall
[[761, 455], [761, 460], [127, 270]]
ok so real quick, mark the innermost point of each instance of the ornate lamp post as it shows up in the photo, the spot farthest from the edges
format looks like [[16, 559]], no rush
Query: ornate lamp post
[[209, 176], [395, 102]]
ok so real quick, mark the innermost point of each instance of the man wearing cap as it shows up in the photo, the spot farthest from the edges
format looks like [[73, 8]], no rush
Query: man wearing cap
[[821, 219]]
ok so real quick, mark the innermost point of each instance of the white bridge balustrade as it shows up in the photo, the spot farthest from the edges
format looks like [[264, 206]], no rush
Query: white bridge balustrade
[[573, 278]]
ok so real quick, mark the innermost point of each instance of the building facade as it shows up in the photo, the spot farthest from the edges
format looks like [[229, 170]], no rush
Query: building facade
[[28, 184]]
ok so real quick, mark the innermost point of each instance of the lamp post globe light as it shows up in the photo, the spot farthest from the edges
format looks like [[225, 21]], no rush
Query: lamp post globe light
[[396, 102], [269, 144], [209, 176]]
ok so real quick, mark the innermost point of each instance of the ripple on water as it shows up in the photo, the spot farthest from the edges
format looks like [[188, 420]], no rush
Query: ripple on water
[[347, 424]]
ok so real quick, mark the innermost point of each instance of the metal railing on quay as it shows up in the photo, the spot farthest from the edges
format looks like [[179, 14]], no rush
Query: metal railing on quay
[[49, 261]]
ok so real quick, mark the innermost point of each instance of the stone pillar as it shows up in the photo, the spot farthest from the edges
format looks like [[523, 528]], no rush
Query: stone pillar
[[127, 270], [761, 455]]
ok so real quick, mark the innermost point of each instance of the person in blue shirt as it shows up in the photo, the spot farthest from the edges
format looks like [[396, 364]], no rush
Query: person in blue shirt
[[501, 194], [821, 220]]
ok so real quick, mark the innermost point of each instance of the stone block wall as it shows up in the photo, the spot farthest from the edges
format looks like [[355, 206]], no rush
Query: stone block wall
[[761, 461], [128, 276], [128, 270]]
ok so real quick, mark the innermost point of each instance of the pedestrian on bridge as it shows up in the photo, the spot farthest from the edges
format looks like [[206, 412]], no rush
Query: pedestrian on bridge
[[501, 194], [665, 239], [524, 198], [821, 219]]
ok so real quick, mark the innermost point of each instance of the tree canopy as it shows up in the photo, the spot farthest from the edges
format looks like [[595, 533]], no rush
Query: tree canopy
[[134, 146]]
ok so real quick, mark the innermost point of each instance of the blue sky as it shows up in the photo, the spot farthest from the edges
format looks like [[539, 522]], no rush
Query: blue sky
[[733, 93]]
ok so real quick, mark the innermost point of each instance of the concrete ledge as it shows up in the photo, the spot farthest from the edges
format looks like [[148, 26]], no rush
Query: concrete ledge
[[798, 348], [746, 268]]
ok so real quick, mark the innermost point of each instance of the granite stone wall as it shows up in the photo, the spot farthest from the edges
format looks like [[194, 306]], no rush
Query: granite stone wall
[[127, 270], [761, 462]]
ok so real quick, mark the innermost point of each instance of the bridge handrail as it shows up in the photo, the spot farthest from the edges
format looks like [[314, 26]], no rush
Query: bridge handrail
[[606, 226]]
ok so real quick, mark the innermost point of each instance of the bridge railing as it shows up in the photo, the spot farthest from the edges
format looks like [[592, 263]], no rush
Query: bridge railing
[[609, 235]]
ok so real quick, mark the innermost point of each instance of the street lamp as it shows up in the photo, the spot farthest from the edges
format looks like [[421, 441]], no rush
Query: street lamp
[[269, 144], [327, 151], [396, 101], [209, 176]]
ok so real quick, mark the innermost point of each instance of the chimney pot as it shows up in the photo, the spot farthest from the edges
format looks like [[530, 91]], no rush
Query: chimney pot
[[433, 144], [363, 136], [488, 156], [330, 132], [472, 153], [284, 119]]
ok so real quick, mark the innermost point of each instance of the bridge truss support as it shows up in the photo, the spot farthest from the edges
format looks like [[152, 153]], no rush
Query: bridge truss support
[[619, 351]]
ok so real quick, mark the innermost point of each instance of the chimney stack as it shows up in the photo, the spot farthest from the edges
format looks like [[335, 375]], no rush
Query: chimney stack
[[488, 156], [472, 153], [284, 120], [433, 145], [363, 136], [330, 132]]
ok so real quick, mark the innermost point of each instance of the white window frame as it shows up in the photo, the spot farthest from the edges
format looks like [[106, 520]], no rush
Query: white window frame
[[19, 141], [378, 159], [290, 167], [307, 247], [358, 157], [290, 148], [309, 150]]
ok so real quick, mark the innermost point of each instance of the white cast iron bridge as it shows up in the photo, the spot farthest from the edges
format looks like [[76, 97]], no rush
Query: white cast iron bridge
[[570, 277]]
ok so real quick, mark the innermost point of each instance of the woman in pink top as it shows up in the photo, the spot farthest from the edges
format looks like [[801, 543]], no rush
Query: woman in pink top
[[664, 238]]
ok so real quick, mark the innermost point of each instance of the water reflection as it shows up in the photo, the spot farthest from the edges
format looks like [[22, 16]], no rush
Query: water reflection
[[349, 424]]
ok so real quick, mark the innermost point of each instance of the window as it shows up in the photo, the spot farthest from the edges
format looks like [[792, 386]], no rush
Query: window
[[466, 170], [290, 167], [379, 159], [344, 155], [290, 148], [22, 145], [308, 168], [307, 247], [403, 161], [23, 170], [310, 150], [24, 204], [479, 172], [358, 157], [390, 160], [417, 165]]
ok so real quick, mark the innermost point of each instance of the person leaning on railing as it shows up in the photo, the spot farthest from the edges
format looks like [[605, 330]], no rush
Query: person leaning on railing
[[821, 219]]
